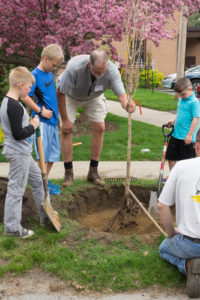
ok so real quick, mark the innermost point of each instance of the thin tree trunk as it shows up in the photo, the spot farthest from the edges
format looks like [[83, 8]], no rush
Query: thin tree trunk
[[128, 164]]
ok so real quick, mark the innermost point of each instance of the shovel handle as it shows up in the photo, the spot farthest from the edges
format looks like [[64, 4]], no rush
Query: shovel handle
[[146, 212], [40, 151], [167, 134]]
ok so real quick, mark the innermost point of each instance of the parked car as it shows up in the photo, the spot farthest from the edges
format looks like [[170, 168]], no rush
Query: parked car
[[193, 74]]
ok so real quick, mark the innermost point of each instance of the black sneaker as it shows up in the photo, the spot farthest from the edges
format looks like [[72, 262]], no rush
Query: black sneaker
[[23, 233]]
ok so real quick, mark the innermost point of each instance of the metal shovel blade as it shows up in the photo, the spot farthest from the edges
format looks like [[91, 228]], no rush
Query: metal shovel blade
[[52, 215], [153, 204]]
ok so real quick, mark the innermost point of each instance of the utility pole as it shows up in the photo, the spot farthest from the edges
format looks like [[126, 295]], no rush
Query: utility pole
[[181, 46]]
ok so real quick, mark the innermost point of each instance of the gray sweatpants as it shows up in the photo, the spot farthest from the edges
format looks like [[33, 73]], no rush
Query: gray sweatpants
[[23, 169]]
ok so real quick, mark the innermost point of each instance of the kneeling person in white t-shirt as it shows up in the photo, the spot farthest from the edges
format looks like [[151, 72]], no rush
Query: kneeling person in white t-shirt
[[182, 245]]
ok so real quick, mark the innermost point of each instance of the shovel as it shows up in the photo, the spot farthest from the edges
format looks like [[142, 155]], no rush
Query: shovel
[[50, 212], [153, 203]]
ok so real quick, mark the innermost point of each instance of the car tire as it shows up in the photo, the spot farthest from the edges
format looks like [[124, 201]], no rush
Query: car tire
[[172, 85], [195, 82]]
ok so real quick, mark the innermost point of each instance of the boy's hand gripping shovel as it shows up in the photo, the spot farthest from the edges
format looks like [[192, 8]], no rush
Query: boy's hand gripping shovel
[[51, 213], [153, 203]]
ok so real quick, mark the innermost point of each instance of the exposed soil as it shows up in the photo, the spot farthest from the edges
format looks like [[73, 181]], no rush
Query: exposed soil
[[93, 208], [83, 127]]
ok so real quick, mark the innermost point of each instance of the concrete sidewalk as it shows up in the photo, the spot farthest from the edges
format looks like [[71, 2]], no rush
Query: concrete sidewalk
[[107, 169], [115, 169], [149, 116]]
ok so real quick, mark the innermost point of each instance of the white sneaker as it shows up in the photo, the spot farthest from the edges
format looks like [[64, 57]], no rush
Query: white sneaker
[[23, 233]]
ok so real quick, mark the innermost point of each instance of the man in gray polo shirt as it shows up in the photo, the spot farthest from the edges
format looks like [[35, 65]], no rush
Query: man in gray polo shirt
[[83, 83]]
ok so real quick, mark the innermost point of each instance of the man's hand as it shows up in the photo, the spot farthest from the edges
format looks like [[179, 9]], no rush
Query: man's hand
[[171, 235], [131, 107], [46, 113], [35, 122], [67, 127], [128, 106], [188, 139]]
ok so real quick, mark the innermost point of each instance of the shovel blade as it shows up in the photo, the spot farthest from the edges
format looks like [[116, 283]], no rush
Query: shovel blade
[[52, 215], [153, 204]]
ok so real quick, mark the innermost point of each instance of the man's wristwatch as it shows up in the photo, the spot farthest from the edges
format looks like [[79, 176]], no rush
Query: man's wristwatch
[[41, 110]]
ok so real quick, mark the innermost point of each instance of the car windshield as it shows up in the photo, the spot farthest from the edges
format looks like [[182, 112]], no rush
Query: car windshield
[[192, 70]]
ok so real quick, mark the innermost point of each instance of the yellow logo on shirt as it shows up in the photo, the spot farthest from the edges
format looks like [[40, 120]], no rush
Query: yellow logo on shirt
[[196, 198]]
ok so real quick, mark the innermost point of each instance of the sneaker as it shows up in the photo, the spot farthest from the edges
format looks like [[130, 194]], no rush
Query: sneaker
[[23, 233], [53, 185], [69, 178], [94, 177], [54, 191], [193, 277]]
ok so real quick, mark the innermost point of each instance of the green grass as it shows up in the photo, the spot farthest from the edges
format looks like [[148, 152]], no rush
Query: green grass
[[88, 263], [115, 142], [146, 98]]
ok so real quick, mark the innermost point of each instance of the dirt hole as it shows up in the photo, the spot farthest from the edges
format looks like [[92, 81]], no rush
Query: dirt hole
[[93, 208]]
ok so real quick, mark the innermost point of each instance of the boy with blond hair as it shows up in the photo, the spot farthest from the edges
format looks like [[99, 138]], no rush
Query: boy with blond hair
[[45, 93], [186, 123], [18, 148]]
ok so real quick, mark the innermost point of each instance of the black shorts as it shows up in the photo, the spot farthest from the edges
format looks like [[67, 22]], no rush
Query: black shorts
[[178, 150]]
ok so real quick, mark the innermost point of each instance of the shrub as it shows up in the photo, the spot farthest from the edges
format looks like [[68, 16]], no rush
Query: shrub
[[1, 135], [157, 78]]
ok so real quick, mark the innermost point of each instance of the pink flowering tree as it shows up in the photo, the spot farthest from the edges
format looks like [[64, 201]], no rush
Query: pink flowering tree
[[26, 26]]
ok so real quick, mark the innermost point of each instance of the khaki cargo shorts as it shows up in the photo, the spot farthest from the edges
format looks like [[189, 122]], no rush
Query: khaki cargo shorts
[[95, 109]]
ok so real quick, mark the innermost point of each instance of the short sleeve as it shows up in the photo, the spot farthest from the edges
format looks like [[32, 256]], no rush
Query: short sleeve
[[195, 109], [116, 82], [66, 81], [167, 195]]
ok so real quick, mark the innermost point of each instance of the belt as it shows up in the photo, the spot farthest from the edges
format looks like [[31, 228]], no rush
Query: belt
[[192, 239]]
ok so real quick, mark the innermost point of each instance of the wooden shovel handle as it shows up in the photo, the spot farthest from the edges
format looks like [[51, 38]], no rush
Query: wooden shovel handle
[[146, 212], [40, 151]]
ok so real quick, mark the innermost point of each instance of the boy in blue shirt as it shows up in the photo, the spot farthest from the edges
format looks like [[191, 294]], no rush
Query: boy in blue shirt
[[186, 123], [45, 92]]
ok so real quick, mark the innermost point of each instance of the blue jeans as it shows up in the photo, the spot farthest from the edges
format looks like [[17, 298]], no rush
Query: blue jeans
[[177, 249]]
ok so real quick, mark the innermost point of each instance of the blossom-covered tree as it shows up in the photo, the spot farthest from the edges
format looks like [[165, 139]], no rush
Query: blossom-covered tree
[[26, 26]]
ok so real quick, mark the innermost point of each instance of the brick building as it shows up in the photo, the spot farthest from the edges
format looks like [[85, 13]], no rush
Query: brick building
[[165, 56]]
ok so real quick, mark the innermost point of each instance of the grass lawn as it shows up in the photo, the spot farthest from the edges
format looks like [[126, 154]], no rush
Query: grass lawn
[[146, 98], [88, 263], [115, 142]]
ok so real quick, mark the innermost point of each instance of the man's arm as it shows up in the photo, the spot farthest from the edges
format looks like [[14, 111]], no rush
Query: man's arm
[[188, 138], [62, 105], [30, 103], [67, 125], [129, 106], [166, 219]]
